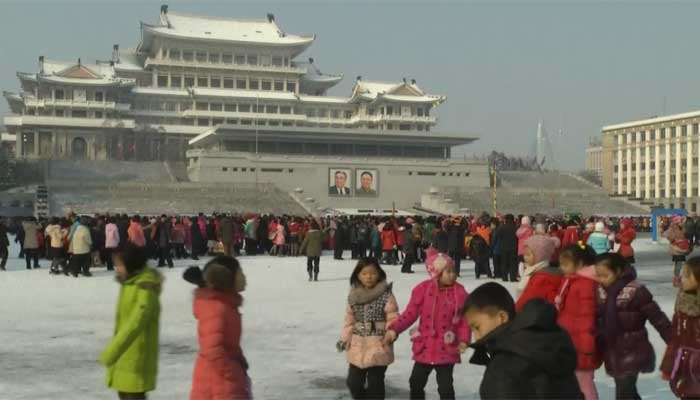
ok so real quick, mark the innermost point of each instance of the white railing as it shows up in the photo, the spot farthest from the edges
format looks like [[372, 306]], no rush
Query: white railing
[[234, 67], [241, 115], [30, 102], [70, 121]]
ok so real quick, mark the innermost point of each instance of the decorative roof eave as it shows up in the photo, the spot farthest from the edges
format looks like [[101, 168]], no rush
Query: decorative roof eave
[[26, 76], [435, 100], [87, 82], [153, 30]]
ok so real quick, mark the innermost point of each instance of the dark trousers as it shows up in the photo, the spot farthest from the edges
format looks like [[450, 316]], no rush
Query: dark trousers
[[626, 388], [132, 396], [3, 257], [108, 258], [30, 254], [80, 263], [408, 261], [419, 378], [165, 256], [373, 376], [338, 252], [362, 250], [251, 247], [312, 266], [482, 267], [497, 266], [179, 250], [457, 257], [388, 257], [509, 265]]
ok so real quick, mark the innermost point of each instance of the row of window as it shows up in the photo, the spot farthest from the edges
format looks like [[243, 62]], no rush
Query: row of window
[[291, 170], [68, 113], [214, 57], [663, 133], [224, 82], [206, 121], [78, 95]]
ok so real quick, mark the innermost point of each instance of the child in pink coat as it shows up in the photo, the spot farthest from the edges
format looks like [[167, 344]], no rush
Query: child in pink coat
[[371, 306], [442, 333], [220, 369]]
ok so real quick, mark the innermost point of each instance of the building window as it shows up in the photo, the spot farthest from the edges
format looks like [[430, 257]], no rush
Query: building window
[[202, 121], [216, 107], [99, 96], [227, 58], [214, 58], [59, 112], [241, 84], [201, 56], [684, 130], [244, 108], [673, 132], [187, 56], [254, 84], [266, 85], [279, 86], [292, 87], [58, 94], [239, 59], [271, 109], [228, 83], [230, 107], [175, 81], [695, 129], [79, 114], [217, 121], [662, 133], [252, 59], [277, 61], [225, 169], [652, 135], [98, 114], [215, 81], [189, 81], [285, 110], [162, 81], [201, 106], [202, 82]]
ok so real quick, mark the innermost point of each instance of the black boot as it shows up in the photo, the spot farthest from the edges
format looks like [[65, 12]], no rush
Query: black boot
[[310, 274]]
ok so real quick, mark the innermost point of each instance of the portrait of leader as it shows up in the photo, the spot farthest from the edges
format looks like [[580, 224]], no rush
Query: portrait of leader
[[366, 180], [340, 182]]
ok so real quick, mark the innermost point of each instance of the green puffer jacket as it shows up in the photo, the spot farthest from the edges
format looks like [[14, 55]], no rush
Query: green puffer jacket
[[131, 357]]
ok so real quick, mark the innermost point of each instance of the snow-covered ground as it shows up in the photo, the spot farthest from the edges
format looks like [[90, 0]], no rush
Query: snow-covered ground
[[52, 329]]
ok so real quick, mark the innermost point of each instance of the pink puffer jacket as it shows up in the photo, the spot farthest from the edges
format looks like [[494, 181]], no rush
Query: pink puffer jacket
[[441, 327]]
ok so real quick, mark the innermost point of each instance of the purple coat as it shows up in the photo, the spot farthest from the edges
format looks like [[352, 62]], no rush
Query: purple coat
[[441, 327], [632, 352]]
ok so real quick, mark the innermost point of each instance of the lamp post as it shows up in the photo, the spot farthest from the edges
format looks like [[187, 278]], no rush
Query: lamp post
[[257, 189]]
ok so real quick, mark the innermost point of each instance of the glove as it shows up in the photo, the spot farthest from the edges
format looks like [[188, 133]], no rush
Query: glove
[[341, 346], [389, 337]]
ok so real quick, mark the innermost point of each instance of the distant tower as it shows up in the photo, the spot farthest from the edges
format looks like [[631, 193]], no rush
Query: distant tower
[[540, 142]]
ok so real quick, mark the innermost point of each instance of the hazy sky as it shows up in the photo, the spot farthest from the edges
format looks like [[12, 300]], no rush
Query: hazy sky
[[502, 65]]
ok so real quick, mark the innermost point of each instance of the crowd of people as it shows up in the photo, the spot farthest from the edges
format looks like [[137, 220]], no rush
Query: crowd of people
[[578, 303]]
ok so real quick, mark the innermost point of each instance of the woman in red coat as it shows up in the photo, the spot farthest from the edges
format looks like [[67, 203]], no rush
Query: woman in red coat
[[576, 303], [220, 369], [625, 237], [389, 245]]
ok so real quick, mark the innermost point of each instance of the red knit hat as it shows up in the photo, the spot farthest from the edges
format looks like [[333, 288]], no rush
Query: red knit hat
[[542, 246]]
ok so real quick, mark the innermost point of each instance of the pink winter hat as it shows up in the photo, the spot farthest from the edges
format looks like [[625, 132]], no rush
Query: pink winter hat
[[437, 263], [542, 246], [677, 219]]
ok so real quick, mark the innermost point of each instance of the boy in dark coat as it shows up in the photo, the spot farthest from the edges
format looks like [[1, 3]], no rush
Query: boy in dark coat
[[527, 356]]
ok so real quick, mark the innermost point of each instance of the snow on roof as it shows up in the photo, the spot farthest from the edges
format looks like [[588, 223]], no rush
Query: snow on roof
[[412, 99], [227, 29], [324, 99], [129, 60], [77, 73], [249, 94], [313, 74], [159, 91], [371, 89], [652, 120]]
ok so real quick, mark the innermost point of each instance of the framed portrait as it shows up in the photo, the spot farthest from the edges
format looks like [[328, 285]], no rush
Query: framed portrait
[[340, 182], [366, 182]]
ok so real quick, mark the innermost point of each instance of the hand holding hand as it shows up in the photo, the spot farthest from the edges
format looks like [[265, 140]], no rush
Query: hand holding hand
[[389, 337], [463, 347]]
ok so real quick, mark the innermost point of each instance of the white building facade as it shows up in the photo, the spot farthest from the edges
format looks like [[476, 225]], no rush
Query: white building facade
[[654, 160], [188, 75]]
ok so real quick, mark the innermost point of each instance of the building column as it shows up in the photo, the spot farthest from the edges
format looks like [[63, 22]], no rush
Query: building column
[[679, 166], [667, 170], [638, 165], [689, 162], [36, 144], [619, 166], [154, 82], [657, 168], [647, 168], [630, 149]]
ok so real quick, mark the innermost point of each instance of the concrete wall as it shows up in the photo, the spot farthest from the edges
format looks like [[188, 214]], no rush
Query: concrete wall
[[400, 181]]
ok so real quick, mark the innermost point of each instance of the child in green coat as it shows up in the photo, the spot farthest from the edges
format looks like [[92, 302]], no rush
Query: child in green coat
[[131, 357]]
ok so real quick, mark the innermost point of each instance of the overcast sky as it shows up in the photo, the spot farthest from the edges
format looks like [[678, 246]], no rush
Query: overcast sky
[[502, 65]]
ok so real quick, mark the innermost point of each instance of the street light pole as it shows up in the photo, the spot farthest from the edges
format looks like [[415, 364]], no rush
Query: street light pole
[[257, 189]]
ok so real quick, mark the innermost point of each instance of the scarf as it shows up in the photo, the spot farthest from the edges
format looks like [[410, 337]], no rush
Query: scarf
[[361, 295], [528, 272], [610, 318], [688, 303]]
